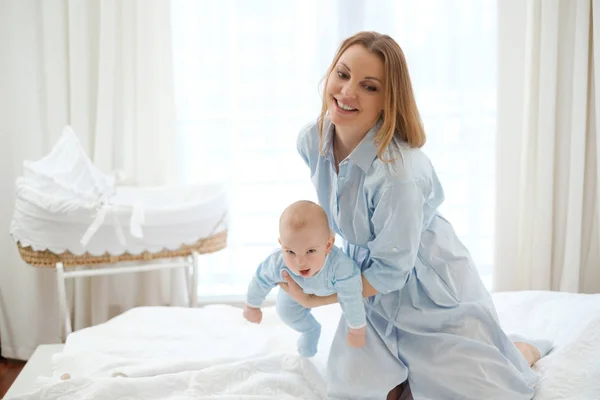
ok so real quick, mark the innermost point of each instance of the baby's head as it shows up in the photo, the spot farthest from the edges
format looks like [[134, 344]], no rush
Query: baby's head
[[305, 238]]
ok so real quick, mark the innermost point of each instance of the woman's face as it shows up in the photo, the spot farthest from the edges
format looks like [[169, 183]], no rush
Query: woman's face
[[354, 92]]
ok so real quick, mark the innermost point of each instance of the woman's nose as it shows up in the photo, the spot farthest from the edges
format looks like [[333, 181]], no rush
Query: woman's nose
[[349, 90]]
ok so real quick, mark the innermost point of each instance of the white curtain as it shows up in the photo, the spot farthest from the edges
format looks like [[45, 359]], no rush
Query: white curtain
[[548, 204], [247, 79], [105, 68]]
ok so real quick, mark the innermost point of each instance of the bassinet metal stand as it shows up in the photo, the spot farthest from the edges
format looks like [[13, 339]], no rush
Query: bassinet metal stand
[[62, 274], [70, 265]]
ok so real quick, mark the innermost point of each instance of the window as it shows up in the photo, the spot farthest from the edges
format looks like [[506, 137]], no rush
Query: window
[[247, 79]]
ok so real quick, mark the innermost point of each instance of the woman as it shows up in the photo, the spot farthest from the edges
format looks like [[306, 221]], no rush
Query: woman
[[431, 322]]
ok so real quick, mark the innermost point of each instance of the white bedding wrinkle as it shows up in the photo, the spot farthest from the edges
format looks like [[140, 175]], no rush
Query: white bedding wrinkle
[[212, 352], [572, 321], [274, 376]]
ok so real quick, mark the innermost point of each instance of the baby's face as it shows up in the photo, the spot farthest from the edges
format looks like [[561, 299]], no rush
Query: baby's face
[[304, 250]]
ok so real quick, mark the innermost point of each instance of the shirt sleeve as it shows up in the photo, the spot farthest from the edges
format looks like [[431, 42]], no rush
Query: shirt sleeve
[[397, 224], [347, 283], [267, 275]]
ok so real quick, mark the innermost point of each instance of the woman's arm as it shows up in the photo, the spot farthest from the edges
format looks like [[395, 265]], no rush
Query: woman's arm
[[397, 228], [368, 290], [312, 301]]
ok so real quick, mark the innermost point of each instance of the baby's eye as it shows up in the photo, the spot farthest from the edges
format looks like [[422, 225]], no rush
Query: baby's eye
[[311, 251], [342, 75], [290, 252]]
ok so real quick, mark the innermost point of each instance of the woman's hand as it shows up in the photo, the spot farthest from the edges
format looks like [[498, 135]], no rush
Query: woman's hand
[[295, 291]]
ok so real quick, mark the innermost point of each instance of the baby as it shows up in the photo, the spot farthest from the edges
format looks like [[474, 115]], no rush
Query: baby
[[308, 255]]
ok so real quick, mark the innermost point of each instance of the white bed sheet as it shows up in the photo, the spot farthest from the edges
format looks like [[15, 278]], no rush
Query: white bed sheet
[[181, 353]]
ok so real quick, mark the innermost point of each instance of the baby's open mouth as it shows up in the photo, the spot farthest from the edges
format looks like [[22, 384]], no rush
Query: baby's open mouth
[[304, 272]]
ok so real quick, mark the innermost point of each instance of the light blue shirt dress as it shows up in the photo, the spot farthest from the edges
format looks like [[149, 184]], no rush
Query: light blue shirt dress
[[433, 322]]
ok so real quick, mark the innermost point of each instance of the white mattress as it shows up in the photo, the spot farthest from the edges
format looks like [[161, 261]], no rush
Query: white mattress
[[38, 366], [180, 353]]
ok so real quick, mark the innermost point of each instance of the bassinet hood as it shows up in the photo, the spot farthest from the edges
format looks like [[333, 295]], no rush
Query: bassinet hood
[[65, 179]]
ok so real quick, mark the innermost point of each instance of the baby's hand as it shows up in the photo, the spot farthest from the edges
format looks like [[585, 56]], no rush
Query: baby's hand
[[357, 337], [252, 314]]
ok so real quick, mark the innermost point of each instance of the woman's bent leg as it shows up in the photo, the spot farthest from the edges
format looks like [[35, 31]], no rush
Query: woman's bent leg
[[363, 373]]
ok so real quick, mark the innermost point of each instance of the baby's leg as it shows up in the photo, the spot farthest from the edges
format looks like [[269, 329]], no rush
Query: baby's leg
[[301, 320]]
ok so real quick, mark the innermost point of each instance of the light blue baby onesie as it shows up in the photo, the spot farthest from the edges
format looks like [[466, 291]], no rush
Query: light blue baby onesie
[[340, 275]]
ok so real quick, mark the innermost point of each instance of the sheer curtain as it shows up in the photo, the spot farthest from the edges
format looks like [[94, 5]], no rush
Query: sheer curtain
[[247, 79], [102, 67], [548, 228]]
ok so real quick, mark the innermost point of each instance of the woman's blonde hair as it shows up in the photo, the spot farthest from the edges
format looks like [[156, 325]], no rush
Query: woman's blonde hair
[[400, 113]]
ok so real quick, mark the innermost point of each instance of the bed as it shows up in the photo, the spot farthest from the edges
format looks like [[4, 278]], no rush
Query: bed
[[211, 352]]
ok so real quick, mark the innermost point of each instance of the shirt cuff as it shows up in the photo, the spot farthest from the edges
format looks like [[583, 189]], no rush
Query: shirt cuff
[[371, 276], [357, 327], [253, 303]]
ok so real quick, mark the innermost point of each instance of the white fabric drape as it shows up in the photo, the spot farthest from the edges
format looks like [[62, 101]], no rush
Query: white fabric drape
[[548, 220], [105, 68]]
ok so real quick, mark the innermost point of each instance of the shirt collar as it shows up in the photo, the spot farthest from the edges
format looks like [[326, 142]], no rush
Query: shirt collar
[[363, 155], [328, 130]]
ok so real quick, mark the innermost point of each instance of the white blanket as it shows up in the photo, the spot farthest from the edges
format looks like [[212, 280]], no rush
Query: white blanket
[[178, 353]]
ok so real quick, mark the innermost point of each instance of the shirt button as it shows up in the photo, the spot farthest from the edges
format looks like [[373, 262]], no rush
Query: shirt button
[[395, 249], [342, 178]]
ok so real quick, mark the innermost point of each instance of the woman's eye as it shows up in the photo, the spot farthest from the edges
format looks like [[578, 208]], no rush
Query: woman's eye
[[369, 88], [342, 75]]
